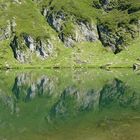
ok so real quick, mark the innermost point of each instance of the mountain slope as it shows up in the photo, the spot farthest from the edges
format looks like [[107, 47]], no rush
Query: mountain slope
[[56, 33]]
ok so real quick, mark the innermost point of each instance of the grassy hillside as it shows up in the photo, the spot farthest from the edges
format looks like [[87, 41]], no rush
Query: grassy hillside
[[56, 33]]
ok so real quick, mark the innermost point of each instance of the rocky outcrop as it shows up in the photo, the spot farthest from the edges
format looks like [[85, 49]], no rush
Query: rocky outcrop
[[109, 5], [19, 54], [116, 32], [117, 39], [110, 39], [55, 20], [81, 32], [6, 32], [42, 47], [70, 31], [24, 45]]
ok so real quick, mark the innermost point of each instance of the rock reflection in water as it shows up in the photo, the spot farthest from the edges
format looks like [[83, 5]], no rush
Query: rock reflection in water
[[29, 87], [41, 104], [117, 91], [73, 101]]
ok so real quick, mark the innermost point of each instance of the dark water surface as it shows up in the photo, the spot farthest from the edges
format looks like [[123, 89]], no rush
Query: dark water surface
[[81, 104]]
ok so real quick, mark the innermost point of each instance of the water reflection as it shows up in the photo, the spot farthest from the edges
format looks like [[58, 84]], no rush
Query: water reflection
[[118, 91], [71, 97], [24, 84], [73, 101], [51, 98]]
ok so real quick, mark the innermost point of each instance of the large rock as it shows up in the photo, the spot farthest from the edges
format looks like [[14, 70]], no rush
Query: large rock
[[43, 48], [18, 52], [110, 39], [79, 31], [24, 45], [6, 32]]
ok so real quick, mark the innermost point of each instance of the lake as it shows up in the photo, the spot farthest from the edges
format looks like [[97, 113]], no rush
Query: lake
[[78, 104]]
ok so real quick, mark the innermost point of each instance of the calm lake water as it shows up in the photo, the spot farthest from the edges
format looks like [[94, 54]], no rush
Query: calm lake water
[[81, 104]]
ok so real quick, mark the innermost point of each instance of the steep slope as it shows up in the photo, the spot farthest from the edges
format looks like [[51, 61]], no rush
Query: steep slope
[[114, 22], [56, 33], [25, 32]]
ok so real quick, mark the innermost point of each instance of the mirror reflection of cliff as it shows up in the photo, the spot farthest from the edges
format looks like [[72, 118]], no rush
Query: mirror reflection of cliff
[[69, 94], [27, 88], [73, 101]]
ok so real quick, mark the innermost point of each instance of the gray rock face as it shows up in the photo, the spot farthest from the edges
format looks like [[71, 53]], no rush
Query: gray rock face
[[81, 31], [7, 31], [25, 45], [55, 20], [86, 31], [116, 40], [67, 40], [110, 39], [19, 54], [42, 48]]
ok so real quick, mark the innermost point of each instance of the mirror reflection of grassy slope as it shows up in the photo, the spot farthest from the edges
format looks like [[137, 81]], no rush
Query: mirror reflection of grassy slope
[[42, 98]]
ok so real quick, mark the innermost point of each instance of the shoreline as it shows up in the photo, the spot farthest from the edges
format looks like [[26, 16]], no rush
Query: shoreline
[[67, 67]]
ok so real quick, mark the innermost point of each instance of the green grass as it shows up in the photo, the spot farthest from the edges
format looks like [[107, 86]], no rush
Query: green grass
[[30, 21]]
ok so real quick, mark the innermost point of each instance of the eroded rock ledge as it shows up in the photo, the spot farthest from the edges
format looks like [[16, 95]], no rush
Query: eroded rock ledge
[[25, 45], [70, 29], [7, 31]]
